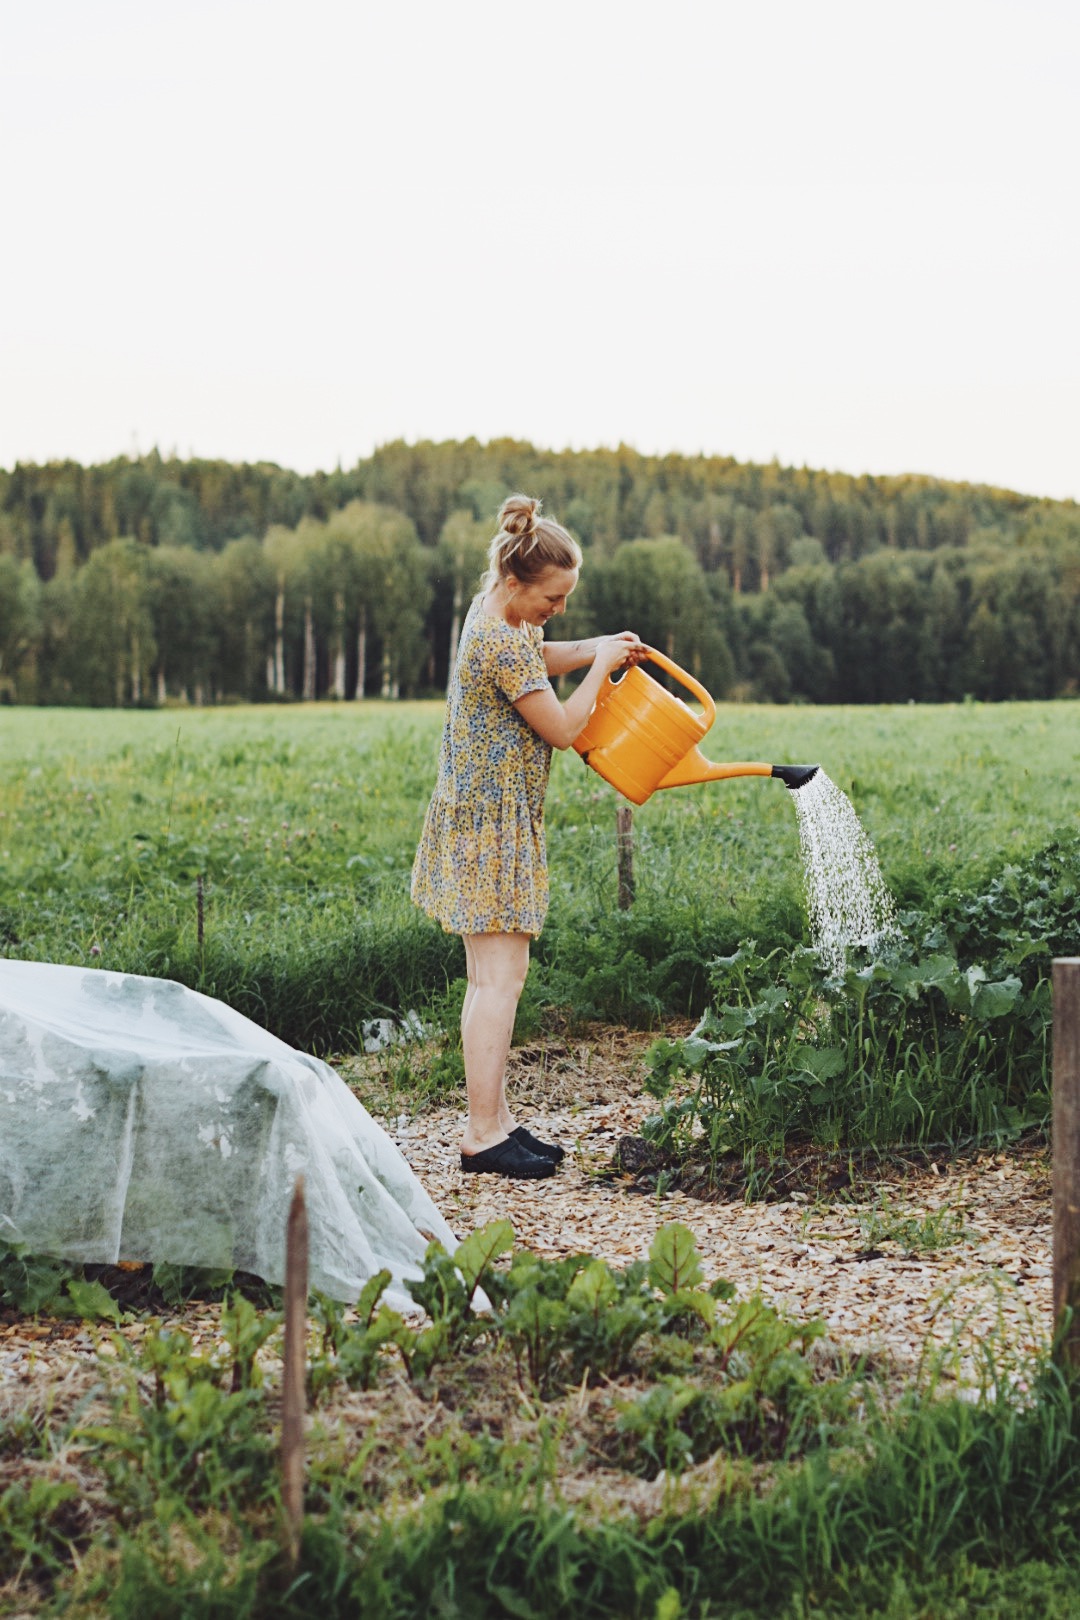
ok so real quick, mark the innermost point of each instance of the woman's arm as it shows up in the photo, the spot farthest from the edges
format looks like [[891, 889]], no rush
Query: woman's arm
[[559, 723], [561, 657]]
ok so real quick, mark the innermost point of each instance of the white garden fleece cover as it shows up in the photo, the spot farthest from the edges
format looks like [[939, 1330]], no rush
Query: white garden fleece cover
[[140, 1120]]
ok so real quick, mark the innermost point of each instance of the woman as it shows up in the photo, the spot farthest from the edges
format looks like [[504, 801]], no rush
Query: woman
[[481, 868]]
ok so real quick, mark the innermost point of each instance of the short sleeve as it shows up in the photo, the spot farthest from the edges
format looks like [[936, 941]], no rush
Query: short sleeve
[[517, 665]]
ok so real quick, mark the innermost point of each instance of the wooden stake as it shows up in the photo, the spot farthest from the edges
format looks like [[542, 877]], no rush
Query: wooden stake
[[1066, 1148], [292, 1394], [199, 910], [624, 844]]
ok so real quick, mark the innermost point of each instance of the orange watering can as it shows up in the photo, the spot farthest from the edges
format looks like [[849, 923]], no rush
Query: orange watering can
[[640, 737]]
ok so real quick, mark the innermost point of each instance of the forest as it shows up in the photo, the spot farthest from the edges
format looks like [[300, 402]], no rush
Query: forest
[[152, 580]]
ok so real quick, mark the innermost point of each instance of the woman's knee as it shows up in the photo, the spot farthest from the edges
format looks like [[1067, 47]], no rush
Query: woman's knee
[[500, 962]]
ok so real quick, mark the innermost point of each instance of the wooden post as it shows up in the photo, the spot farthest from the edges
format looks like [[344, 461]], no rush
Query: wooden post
[[292, 1393], [624, 844], [1066, 1149], [199, 909]]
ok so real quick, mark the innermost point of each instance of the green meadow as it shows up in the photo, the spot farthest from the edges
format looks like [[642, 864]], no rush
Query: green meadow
[[301, 823]]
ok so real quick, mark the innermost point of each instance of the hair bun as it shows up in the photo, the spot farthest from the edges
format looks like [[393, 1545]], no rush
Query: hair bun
[[518, 515], [528, 544]]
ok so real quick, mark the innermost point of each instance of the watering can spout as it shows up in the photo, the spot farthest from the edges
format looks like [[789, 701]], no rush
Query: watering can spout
[[795, 776], [694, 767]]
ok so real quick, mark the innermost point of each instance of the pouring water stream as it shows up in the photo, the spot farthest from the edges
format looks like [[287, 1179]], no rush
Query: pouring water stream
[[849, 903]]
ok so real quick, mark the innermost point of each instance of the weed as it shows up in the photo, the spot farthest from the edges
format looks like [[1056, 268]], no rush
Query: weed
[[917, 1234], [40, 1527]]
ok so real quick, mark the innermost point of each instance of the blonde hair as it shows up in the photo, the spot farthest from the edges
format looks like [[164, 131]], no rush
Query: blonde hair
[[527, 545]]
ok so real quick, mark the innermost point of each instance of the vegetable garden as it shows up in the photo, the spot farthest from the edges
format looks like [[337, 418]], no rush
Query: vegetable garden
[[783, 1475]]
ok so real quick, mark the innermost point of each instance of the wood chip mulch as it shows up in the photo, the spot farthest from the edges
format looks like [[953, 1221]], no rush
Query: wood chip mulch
[[985, 1291]]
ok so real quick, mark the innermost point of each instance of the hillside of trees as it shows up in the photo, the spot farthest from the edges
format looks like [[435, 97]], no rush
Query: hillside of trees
[[150, 580]]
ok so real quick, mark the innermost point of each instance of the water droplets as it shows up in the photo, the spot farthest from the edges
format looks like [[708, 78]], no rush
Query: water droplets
[[848, 900]]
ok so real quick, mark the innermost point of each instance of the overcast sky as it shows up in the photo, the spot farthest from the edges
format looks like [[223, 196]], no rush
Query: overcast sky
[[842, 233]]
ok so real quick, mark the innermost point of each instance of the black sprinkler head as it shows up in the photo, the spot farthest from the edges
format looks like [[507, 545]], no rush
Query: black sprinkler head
[[795, 776]]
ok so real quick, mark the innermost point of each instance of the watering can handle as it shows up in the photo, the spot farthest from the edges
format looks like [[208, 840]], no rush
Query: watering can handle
[[686, 680]]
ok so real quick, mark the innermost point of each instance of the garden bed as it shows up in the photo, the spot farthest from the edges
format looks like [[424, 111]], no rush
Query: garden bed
[[905, 1253]]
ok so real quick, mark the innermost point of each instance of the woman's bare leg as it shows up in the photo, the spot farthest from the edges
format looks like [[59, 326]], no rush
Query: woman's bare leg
[[497, 965], [470, 985]]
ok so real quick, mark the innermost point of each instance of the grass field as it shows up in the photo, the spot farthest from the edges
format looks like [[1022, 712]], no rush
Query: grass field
[[302, 824]]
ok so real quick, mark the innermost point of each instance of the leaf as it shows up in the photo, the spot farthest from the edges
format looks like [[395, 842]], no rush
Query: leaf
[[936, 972], [390, 1327], [475, 1254], [29, 1284], [178, 1283], [92, 1300], [514, 1603], [592, 1289], [823, 1062], [697, 1302], [973, 978], [370, 1295], [673, 1259], [995, 1000]]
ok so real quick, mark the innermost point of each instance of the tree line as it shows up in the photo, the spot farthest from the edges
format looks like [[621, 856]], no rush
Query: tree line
[[152, 579]]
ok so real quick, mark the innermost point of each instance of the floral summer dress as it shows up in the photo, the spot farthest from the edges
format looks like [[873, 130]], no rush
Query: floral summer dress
[[481, 866]]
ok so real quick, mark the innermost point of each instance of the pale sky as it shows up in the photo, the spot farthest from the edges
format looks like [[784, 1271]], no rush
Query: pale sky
[[838, 232]]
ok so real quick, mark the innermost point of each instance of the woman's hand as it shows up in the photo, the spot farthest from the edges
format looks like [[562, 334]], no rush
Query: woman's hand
[[612, 652], [559, 723]]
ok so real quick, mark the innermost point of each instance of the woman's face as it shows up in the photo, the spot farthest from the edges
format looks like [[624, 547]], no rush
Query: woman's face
[[539, 600]]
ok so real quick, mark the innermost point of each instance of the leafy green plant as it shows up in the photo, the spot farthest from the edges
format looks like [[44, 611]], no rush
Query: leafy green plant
[[670, 1427], [245, 1330], [451, 1290], [177, 1284], [353, 1351], [572, 1318], [196, 1440], [32, 1283], [928, 1045], [675, 1272]]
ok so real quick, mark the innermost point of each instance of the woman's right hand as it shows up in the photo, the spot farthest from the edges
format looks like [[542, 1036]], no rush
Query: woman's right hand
[[612, 652]]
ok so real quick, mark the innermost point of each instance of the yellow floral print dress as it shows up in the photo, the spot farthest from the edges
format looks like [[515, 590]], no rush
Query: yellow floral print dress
[[481, 866]]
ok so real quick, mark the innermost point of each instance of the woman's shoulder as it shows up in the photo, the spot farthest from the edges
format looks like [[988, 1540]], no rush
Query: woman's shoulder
[[492, 625]]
